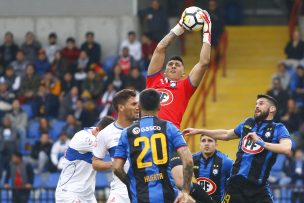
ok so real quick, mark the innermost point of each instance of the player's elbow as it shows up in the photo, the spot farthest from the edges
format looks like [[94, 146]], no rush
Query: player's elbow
[[287, 151], [160, 48], [95, 165], [204, 63], [188, 163]]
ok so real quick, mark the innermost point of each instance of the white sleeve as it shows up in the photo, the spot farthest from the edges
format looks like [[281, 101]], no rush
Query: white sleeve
[[54, 153], [100, 150], [84, 142]]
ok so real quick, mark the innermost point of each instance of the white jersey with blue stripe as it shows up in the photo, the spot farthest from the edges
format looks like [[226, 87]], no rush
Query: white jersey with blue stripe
[[107, 141], [78, 175]]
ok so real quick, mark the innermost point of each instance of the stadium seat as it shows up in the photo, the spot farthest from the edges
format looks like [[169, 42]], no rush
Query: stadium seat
[[52, 180], [37, 181], [56, 128], [33, 130], [27, 108], [109, 62], [101, 180]]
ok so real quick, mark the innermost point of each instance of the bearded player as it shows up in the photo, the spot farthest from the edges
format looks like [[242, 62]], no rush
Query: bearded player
[[176, 92]]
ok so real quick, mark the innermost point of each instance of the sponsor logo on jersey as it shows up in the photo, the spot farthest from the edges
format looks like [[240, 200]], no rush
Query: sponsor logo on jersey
[[137, 130], [166, 97], [249, 146], [208, 185]]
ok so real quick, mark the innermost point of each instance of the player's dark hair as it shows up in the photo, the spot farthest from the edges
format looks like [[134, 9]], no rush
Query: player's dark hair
[[149, 99], [53, 35], [121, 97], [272, 100], [177, 58], [104, 122], [202, 135]]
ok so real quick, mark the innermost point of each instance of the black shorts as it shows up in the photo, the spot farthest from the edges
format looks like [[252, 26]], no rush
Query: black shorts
[[175, 160], [239, 190]]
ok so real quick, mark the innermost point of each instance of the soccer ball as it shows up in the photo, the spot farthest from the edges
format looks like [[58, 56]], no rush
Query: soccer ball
[[192, 18]]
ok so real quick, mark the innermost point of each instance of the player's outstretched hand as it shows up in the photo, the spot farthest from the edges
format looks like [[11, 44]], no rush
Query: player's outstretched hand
[[207, 27], [184, 198], [190, 131], [178, 28]]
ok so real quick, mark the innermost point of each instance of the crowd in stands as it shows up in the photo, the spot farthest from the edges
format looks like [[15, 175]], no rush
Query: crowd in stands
[[47, 93], [287, 86]]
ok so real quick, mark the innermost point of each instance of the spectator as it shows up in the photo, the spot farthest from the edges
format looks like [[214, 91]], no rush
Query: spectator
[[93, 84], [70, 53], [295, 48], [58, 150], [52, 47], [297, 87], [29, 84], [72, 126], [12, 79], [45, 104], [291, 119], [117, 78], [8, 49], [105, 101], [148, 47], [22, 178], [296, 173], [133, 45], [92, 48], [19, 120], [44, 125], [60, 66], [42, 64], [81, 114], [136, 79], [52, 83], [9, 140], [40, 155], [126, 61], [6, 97], [68, 103], [67, 83], [283, 75], [82, 67], [30, 47], [20, 63], [280, 95], [155, 19]]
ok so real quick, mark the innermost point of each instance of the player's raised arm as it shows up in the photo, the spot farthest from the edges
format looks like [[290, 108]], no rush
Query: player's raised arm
[[215, 134], [198, 71], [158, 57]]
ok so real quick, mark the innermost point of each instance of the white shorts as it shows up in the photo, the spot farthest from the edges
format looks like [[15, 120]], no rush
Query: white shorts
[[118, 197], [70, 197]]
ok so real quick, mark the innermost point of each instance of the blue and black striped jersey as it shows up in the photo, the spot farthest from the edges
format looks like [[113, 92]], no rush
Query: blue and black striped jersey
[[148, 145]]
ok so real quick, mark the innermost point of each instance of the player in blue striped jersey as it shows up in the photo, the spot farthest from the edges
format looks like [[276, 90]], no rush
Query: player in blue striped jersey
[[148, 145]]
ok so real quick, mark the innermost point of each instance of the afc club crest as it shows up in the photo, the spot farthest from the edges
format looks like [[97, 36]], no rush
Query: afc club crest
[[267, 134], [208, 185], [250, 147], [173, 84], [215, 171], [166, 97]]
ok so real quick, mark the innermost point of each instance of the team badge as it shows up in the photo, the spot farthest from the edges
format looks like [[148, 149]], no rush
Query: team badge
[[173, 84], [267, 134], [166, 97], [215, 171], [249, 146], [208, 185]]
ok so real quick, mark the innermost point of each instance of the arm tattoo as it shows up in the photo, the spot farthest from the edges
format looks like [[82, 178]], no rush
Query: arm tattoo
[[166, 41], [121, 174], [185, 155]]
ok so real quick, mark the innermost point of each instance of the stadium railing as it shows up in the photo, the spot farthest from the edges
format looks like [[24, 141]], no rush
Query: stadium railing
[[218, 61], [293, 17], [47, 195]]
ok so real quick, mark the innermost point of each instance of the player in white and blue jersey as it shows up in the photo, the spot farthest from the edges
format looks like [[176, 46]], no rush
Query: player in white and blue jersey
[[126, 105], [77, 179]]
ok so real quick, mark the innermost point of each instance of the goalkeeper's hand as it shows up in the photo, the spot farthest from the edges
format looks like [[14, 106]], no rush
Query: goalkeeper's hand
[[207, 27]]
